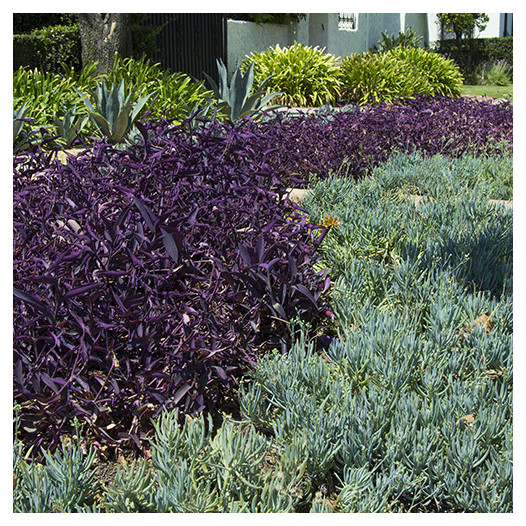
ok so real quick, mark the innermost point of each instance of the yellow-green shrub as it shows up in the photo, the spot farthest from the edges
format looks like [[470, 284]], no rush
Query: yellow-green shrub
[[305, 75], [443, 74], [401, 72]]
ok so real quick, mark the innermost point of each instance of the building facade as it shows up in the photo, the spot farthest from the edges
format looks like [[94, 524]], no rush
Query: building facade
[[344, 33]]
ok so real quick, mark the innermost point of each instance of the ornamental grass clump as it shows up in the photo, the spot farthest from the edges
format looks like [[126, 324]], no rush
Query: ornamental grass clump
[[149, 278]]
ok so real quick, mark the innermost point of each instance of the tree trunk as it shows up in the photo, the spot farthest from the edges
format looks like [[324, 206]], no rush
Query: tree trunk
[[102, 35]]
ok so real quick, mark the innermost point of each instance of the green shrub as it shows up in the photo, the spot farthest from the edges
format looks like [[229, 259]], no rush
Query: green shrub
[[442, 74], [480, 51], [379, 77], [401, 72], [48, 48], [306, 76], [51, 95], [26, 22], [173, 89], [48, 93]]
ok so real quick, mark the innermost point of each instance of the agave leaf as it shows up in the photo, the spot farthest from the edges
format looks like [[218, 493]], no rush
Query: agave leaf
[[122, 124], [264, 82], [115, 106], [86, 100], [240, 90], [139, 105], [223, 91], [102, 124], [213, 85], [254, 104], [101, 98]]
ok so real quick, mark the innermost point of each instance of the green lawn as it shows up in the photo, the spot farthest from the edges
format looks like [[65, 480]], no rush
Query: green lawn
[[490, 91]]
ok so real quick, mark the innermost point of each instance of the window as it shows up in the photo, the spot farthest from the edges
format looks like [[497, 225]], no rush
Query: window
[[348, 21]]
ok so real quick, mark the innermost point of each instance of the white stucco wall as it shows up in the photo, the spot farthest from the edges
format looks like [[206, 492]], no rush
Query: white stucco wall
[[245, 38], [321, 29]]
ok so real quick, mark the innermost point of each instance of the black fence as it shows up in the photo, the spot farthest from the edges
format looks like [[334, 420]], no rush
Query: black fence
[[189, 42]]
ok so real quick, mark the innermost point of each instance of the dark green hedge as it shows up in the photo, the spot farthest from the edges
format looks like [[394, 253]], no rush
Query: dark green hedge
[[45, 49], [26, 22], [480, 50]]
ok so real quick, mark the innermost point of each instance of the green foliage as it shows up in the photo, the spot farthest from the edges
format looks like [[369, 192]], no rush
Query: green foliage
[[19, 123], [65, 484], [53, 94], [462, 25], [27, 22], [47, 48], [175, 92], [113, 111], [373, 77], [480, 51], [401, 72], [238, 98], [306, 76], [442, 74], [69, 126], [405, 39], [497, 74], [48, 94]]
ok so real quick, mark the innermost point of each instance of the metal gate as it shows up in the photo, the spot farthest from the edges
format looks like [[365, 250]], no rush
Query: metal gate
[[189, 42]]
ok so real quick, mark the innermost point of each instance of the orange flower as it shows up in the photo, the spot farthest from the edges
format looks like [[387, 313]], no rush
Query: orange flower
[[330, 222]]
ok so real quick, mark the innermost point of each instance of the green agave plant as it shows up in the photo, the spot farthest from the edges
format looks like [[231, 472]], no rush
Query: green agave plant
[[237, 98], [113, 111], [69, 126], [19, 122]]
